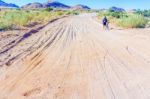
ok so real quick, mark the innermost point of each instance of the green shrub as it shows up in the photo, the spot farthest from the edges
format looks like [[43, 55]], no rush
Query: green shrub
[[49, 9], [4, 25], [113, 14], [118, 14], [146, 13], [72, 12], [75, 13], [68, 13], [60, 13], [132, 21]]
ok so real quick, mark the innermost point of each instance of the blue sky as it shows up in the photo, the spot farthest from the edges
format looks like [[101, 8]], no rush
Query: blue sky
[[127, 4]]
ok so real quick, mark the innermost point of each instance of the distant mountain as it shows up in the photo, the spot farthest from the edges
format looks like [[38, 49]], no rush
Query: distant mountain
[[53, 4], [33, 5], [7, 5], [116, 9], [132, 10], [80, 7]]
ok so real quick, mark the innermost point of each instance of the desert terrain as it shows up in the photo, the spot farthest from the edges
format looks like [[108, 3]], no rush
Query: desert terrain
[[74, 58]]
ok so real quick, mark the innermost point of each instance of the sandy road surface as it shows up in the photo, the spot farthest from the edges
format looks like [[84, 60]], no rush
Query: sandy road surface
[[73, 58]]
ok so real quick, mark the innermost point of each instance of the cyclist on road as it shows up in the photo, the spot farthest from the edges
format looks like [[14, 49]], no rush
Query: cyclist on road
[[105, 23]]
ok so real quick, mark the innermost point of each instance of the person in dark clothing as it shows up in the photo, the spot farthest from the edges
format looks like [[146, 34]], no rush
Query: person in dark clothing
[[105, 23]]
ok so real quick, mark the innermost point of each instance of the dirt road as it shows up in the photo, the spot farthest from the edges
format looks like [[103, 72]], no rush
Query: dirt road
[[74, 58]]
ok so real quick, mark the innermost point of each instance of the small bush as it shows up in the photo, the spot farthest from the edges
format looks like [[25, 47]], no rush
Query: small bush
[[68, 13], [4, 26], [146, 13], [72, 12], [60, 13], [75, 13], [49, 9]]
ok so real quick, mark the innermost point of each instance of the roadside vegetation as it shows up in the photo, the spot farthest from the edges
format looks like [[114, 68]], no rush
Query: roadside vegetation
[[14, 19], [18, 19], [145, 13], [132, 21], [72, 12], [137, 19]]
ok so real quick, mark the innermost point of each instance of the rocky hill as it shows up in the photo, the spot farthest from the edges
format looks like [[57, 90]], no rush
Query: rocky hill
[[117, 9], [33, 5], [80, 7], [53, 4], [7, 5]]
